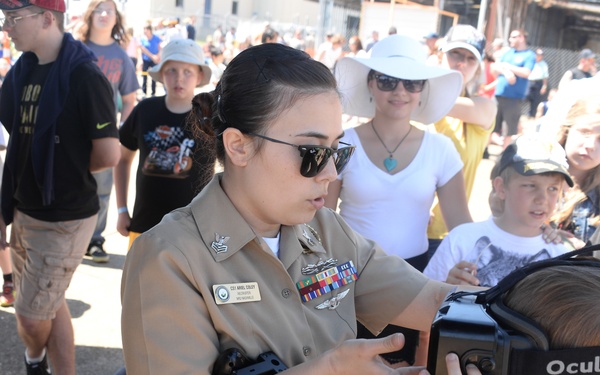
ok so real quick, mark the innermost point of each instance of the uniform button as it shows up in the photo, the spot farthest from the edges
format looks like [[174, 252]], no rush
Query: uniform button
[[286, 293], [306, 350]]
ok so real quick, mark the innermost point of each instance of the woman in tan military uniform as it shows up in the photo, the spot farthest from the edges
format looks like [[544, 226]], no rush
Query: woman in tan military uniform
[[255, 262]]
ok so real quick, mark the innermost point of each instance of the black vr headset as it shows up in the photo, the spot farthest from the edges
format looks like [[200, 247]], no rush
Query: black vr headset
[[482, 330]]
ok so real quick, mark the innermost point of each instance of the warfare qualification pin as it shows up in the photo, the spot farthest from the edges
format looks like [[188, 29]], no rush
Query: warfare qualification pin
[[332, 303]]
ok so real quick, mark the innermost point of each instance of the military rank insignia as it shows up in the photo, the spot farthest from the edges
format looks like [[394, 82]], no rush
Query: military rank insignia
[[219, 244]]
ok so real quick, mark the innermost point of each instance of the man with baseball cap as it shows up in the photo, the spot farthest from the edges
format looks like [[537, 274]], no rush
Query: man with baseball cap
[[585, 69], [58, 108], [538, 82], [430, 41]]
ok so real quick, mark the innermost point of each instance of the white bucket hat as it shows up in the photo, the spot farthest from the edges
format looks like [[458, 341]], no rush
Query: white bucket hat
[[183, 50], [397, 56]]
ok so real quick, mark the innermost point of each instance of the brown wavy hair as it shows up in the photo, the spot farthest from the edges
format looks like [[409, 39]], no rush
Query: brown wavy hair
[[563, 300], [118, 32], [587, 105]]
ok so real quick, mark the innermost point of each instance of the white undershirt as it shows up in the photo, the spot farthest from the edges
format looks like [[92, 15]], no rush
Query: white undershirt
[[273, 243]]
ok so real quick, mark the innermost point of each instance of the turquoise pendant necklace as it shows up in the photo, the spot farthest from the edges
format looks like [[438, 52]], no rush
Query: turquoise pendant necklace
[[390, 163]]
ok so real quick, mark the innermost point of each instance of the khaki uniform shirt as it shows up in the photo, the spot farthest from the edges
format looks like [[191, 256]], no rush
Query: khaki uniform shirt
[[171, 323]]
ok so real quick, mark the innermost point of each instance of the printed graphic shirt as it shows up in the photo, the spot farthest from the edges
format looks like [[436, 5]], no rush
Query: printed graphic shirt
[[168, 174], [117, 68], [496, 252]]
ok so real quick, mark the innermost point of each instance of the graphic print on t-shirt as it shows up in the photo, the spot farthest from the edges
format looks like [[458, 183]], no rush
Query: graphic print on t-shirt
[[111, 67], [29, 108], [171, 152], [494, 263]]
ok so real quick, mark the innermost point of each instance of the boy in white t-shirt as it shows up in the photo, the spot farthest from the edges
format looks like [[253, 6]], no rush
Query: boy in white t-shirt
[[532, 171]]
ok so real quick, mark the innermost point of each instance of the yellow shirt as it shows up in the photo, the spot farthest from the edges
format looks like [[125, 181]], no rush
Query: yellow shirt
[[470, 146]]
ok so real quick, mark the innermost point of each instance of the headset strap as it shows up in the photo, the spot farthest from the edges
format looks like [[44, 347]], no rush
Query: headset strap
[[564, 361], [567, 259]]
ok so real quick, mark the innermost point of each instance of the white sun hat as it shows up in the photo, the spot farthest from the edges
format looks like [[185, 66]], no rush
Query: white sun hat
[[401, 57], [183, 50]]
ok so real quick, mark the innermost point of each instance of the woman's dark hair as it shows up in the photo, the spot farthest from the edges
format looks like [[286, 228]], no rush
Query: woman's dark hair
[[200, 118], [257, 86]]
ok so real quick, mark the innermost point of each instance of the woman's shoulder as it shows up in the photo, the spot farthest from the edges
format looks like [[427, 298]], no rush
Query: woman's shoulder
[[437, 141], [177, 229], [483, 227], [351, 136]]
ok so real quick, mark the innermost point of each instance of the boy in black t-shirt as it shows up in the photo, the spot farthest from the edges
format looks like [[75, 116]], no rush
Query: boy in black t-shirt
[[171, 168]]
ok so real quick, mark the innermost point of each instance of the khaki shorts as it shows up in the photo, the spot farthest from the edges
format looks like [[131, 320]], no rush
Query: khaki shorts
[[44, 256]]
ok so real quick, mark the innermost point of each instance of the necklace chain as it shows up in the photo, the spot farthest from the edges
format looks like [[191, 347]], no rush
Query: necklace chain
[[381, 140]]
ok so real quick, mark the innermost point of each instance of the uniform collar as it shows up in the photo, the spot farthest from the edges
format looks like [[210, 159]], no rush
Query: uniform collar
[[222, 227]]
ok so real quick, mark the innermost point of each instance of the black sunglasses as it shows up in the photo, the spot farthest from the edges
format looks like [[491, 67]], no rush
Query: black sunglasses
[[315, 158], [387, 83]]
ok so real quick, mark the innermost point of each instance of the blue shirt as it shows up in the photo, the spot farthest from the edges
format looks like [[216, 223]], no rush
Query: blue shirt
[[151, 45], [524, 58]]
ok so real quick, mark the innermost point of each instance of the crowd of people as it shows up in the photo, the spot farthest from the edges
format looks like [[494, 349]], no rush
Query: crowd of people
[[314, 233]]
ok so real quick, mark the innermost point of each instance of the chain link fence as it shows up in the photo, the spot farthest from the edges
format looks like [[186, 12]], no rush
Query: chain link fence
[[559, 61]]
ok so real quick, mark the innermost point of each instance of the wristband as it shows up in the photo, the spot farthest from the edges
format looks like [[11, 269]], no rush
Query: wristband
[[122, 210]]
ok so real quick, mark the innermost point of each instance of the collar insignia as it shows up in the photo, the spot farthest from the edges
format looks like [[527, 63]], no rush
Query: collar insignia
[[219, 244], [309, 239], [312, 236]]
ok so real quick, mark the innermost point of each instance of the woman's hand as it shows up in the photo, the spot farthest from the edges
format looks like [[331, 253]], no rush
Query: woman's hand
[[361, 357], [453, 366], [552, 235], [463, 273]]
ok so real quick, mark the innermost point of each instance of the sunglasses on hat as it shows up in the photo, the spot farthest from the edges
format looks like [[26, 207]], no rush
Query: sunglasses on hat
[[387, 83], [315, 158]]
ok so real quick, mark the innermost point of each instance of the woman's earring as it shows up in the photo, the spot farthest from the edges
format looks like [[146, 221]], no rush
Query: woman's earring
[[419, 103], [370, 99]]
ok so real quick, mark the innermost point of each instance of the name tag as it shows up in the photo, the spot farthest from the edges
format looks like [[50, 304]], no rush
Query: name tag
[[236, 293]]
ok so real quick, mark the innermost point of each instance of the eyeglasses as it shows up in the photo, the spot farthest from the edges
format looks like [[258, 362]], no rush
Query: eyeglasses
[[11, 21], [315, 158], [387, 83], [109, 12]]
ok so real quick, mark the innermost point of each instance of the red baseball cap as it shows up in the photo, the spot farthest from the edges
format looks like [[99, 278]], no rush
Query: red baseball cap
[[57, 5]]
